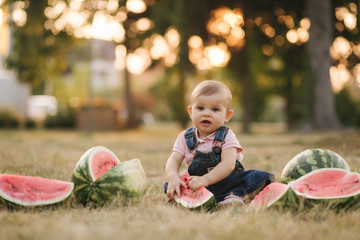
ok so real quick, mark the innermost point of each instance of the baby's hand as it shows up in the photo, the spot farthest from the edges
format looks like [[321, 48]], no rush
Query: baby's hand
[[174, 187], [195, 182]]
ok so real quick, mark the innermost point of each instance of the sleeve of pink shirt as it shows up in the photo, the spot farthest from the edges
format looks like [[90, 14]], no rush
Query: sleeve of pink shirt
[[232, 142], [180, 144]]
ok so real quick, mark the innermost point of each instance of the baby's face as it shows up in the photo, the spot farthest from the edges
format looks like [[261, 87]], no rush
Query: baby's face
[[208, 113]]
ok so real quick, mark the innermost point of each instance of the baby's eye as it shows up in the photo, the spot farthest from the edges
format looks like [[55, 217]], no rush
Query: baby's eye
[[200, 107], [215, 109]]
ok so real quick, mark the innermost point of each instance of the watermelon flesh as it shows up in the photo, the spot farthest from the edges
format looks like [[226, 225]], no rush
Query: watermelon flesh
[[99, 159], [327, 183], [275, 195], [200, 199], [102, 161], [33, 191], [269, 195], [93, 164]]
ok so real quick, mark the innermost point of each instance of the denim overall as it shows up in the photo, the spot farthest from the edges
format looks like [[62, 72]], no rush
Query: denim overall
[[239, 182]]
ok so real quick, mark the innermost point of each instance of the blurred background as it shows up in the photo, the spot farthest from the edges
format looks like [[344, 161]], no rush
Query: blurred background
[[112, 65]]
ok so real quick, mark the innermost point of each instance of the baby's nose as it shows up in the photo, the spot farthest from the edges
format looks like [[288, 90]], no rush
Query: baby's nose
[[206, 113]]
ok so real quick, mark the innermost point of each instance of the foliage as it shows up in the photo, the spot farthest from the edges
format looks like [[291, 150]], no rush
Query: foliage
[[348, 109], [29, 123], [9, 118], [40, 56], [65, 118], [166, 92], [37, 55]]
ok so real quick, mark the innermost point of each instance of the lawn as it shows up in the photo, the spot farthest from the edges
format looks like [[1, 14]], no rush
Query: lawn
[[53, 154]]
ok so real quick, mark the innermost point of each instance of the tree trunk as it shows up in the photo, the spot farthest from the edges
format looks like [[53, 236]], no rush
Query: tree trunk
[[239, 65], [320, 15], [246, 118], [130, 120], [183, 115]]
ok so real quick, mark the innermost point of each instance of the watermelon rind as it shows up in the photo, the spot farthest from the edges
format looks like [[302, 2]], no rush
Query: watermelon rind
[[134, 182], [310, 160], [304, 188], [285, 198], [126, 180], [30, 190]]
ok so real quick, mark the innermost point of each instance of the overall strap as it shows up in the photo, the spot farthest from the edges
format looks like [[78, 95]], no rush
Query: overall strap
[[221, 133], [190, 138], [191, 141]]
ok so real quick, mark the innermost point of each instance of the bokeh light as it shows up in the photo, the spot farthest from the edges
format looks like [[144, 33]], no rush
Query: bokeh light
[[138, 61], [4, 33], [218, 55], [120, 56], [347, 15], [207, 57], [292, 36], [227, 23], [339, 76], [136, 6], [19, 15], [159, 47], [356, 73], [341, 48]]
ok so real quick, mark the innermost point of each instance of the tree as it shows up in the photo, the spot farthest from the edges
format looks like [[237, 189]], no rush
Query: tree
[[321, 35], [188, 21], [41, 46], [36, 54]]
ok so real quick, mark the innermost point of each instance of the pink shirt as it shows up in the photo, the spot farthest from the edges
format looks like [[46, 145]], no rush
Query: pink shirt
[[205, 145]]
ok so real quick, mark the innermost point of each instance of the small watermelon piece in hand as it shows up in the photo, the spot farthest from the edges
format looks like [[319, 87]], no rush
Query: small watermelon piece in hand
[[200, 199]]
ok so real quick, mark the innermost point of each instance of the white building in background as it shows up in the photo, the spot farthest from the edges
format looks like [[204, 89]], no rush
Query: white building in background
[[41, 106], [13, 95], [104, 74]]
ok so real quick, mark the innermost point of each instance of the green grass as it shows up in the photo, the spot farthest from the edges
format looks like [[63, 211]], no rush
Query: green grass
[[53, 154]]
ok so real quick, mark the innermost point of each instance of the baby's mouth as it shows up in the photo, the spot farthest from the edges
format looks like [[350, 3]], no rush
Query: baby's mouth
[[205, 122]]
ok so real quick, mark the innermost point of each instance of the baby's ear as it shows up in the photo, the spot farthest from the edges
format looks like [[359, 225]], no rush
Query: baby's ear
[[229, 115], [189, 109]]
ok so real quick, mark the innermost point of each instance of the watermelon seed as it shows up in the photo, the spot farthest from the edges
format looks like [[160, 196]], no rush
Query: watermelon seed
[[11, 186]]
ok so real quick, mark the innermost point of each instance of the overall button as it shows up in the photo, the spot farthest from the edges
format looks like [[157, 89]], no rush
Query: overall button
[[217, 149]]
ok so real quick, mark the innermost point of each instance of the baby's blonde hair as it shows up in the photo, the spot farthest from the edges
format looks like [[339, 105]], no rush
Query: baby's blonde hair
[[209, 87]]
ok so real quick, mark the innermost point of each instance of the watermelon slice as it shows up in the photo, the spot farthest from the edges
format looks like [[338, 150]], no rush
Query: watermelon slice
[[276, 195], [333, 188], [95, 162], [330, 187], [327, 183], [200, 199], [33, 191]]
